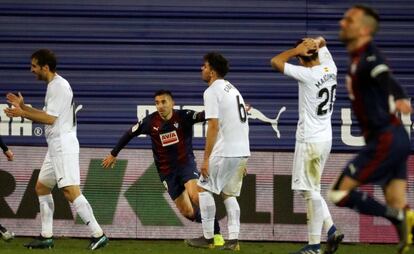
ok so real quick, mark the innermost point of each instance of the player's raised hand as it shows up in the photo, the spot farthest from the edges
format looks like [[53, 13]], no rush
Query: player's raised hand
[[307, 47], [15, 100], [9, 154], [109, 161]]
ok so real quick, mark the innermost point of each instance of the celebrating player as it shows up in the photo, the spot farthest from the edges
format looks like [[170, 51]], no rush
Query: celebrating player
[[171, 133], [317, 85], [61, 163], [375, 97]]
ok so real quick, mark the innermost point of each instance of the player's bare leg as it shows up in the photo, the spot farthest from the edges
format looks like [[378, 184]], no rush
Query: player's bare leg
[[191, 191]]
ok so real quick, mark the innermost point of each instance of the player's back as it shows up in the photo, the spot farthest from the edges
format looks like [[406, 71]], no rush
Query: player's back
[[233, 135]]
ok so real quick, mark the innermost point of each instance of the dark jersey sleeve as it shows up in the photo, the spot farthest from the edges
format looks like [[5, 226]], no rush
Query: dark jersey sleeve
[[194, 117], [3, 145], [139, 128], [380, 71], [387, 80]]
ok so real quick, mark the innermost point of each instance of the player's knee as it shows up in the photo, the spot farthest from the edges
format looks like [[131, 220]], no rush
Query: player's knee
[[42, 189], [395, 202], [187, 212], [336, 196]]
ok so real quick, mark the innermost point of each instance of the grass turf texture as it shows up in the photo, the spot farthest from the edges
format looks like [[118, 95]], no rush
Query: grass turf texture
[[70, 245]]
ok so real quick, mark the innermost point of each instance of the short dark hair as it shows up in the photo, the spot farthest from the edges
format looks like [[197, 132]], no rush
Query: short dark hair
[[310, 58], [218, 63], [163, 92], [369, 12], [45, 57]]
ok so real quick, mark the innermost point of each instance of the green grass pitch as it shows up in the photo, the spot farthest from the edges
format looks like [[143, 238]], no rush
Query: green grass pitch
[[70, 245]]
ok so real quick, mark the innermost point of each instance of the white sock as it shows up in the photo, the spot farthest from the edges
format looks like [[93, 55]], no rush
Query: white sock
[[327, 218], [233, 217], [84, 209], [208, 212], [47, 208], [315, 216]]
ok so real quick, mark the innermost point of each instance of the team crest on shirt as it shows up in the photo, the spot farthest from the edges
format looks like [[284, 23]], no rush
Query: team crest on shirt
[[169, 138], [176, 125], [326, 69]]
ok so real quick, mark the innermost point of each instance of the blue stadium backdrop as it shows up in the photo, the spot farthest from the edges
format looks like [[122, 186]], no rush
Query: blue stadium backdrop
[[116, 53]]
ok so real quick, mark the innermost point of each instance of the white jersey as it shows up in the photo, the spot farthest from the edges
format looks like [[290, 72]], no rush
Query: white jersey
[[224, 102], [317, 91], [61, 135]]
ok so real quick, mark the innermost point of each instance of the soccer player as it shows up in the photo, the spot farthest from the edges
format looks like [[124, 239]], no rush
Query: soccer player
[[226, 151], [376, 97], [61, 163], [171, 133], [5, 234], [317, 85]]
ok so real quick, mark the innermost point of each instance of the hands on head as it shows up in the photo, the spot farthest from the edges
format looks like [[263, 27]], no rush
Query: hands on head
[[308, 47]]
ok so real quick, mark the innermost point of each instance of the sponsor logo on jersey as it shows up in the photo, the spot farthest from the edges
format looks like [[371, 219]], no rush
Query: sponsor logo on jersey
[[169, 138]]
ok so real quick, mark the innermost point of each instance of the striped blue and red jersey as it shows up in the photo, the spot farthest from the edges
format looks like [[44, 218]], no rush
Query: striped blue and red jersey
[[171, 140], [372, 90]]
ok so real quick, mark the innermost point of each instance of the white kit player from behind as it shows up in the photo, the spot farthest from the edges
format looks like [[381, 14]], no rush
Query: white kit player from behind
[[226, 152], [317, 86], [61, 163]]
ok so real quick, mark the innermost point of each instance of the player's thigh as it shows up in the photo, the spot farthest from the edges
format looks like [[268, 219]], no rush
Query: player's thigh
[[237, 166], [192, 189], [66, 169], [395, 193], [47, 176], [308, 163], [173, 185]]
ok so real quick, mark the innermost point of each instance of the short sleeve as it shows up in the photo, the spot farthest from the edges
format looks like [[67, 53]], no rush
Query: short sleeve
[[55, 100], [211, 104], [298, 73]]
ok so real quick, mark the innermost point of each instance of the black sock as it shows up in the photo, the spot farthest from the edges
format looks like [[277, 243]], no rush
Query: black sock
[[216, 226], [197, 215], [365, 204]]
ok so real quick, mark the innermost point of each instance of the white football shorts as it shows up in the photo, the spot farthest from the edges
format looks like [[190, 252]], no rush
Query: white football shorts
[[308, 164], [225, 175], [61, 163]]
